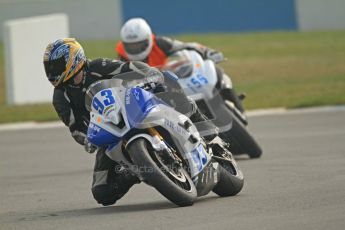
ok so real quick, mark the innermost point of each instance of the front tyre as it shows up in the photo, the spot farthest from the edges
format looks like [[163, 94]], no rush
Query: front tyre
[[241, 141], [175, 184]]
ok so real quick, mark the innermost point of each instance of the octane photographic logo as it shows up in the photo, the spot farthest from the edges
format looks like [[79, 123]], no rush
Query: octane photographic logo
[[136, 169], [148, 169]]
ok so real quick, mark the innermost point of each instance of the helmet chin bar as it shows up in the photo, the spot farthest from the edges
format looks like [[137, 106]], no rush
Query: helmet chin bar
[[141, 56], [80, 74], [78, 78]]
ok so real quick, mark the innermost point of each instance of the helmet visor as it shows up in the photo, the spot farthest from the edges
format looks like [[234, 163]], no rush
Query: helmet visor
[[136, 47], [55, 68]]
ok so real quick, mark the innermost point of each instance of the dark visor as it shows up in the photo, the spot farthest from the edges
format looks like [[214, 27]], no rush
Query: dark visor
[[136, 47], [54, 68]]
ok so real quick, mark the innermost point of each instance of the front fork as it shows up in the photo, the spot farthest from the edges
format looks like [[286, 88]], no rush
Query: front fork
[[169, 153], [206, 180]]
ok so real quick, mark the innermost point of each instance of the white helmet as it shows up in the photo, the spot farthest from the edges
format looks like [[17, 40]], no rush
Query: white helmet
[[136, 36]]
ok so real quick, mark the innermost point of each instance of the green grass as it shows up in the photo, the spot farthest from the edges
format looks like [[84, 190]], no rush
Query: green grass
[[277, 69], [285, 69]]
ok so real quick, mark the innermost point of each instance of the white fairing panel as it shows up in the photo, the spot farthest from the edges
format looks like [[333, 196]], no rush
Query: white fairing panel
[[203, 78]]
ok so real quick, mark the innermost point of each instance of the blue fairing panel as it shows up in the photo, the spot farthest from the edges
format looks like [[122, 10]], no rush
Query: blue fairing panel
[[139, 103], [100, 137], [199, 157]]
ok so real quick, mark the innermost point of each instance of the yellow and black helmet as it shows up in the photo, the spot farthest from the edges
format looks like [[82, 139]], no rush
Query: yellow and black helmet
[[63, 59]]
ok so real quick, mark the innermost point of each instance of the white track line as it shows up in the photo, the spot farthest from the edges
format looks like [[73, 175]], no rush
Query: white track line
[[284, 111], [264, 112], [252, 113], [31, 125]]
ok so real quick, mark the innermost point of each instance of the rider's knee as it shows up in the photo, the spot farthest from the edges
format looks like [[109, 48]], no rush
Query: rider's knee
[[105, 195]]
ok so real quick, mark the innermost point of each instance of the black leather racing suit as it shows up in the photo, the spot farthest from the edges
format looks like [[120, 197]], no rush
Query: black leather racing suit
[[109, 184], [69, 103]]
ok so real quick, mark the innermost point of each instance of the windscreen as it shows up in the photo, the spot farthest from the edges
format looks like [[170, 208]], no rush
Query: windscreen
[[180, 64]]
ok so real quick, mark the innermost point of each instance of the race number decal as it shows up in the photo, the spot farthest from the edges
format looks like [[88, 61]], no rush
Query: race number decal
[[197, 81], [102, 100], [109, 98], [199, 157]]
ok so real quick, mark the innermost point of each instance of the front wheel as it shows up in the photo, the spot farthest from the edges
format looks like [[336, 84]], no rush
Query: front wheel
[[241, 141], [172, 182]]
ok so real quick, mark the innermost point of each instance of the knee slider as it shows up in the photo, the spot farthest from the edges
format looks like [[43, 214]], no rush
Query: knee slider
[[104, 195]]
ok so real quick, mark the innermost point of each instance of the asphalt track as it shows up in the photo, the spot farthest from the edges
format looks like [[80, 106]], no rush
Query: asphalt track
[[299, 183]]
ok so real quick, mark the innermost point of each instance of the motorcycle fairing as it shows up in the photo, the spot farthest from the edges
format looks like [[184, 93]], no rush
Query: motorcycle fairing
[[201, 79], [139, 103], [200, 85], [107, 124], [141, 110], [100, 137]]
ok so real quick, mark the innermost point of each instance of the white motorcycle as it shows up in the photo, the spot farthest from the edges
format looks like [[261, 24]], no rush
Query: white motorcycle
[[200, 81], [154, 142]]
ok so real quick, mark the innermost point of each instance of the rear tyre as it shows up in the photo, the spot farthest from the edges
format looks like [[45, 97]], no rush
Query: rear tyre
[[241, 141], [175, 184], [231, 179]]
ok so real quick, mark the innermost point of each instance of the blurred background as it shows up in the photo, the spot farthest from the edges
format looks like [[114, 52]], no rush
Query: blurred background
[[287, 53]]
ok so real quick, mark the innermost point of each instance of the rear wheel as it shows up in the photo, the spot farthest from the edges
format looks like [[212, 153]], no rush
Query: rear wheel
[[172, 182], [231, 179]]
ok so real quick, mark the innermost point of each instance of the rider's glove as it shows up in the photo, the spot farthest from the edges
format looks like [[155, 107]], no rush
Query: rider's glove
[[214, 55], [79, 136], [89, 147]]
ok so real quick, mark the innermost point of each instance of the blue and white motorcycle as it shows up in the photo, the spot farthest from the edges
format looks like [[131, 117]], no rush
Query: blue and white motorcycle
[[154, 142], [201, 82]]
